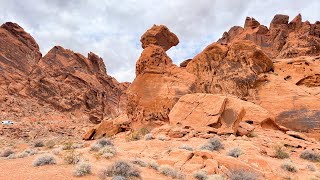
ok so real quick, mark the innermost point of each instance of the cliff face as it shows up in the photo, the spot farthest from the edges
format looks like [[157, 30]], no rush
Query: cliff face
[[63, 80], [282, 39]]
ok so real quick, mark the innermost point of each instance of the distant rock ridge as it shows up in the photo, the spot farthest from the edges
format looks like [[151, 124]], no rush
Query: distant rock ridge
[[282, 39]]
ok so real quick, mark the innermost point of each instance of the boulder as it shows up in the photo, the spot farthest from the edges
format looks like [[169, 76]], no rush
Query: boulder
[[251, 23], [159, 35], [216, 114]]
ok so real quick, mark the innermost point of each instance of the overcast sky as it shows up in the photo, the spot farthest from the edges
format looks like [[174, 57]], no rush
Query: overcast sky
[[112, 28]]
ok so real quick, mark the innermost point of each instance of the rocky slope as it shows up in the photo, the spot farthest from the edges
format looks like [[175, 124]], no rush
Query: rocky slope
[[34, 88]]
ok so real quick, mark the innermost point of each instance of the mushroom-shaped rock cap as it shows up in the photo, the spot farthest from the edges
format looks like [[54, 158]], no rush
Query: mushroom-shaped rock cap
[[160, 36]]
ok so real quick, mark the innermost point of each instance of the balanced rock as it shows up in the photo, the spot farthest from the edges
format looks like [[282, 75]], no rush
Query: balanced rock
[[157, 87], [160, 36]]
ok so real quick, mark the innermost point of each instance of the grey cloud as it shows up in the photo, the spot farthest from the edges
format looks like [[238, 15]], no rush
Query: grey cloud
[[112, 28]]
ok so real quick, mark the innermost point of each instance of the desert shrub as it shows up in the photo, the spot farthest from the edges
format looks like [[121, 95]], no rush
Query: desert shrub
[[67, 146], [22, 155], [134, 136], [56, 151], [215, 177], [120, 168], [31, 151], [162, 138], [82, 169], [76, 145], [235, 152], [72, 157], [107, 152], [100, 144], [119, 178], [186, 147], [154, 165], [44, 160], [214, 144], [311, 167], [7, 153], [168, 171], [289, 167], [139, 162], [280, 153], [38, 144], [143, 131], [241, 174], [252, 134], [148, 137], [104, 142], [50, 144], [200, 175], [310, 155], [12, 156]]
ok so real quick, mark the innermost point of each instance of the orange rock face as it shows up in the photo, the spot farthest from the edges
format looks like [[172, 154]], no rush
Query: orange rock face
[[157, 87], [229, 69], [160, 36], [282, 39], [65, 81]]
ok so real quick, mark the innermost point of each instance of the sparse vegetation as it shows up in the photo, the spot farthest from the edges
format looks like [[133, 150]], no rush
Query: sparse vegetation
[[215, 177], [310, 155], [186, 147], [72, 157], [120, 168], [162, 138], [38, 143], [50, 144], [137, 134], [139, 162], [311, 167], [148, 137], [107, 152], [154, 165], [289, 167], [82, 169], [100, 144], [44, 160], [168, 171], [241, 174], [200, 175], [280, 153], [7, 153], [214, 144], [235, 152], [119, 178]]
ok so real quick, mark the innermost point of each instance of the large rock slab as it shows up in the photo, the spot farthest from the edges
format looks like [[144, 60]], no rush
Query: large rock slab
[[215, 113]]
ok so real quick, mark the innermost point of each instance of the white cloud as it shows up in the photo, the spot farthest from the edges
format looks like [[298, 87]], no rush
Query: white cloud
[[112, 28]]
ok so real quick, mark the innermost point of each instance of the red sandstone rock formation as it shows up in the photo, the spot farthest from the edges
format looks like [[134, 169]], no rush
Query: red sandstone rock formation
[[282, 39], [229, 69]]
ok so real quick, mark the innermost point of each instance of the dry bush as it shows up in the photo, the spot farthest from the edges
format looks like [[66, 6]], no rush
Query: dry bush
[[120, 168], [235, 152], [186, 147], [44, 160], [82, 169], [200, 175], [241, 174], [72, 157], [310, 155], [280, 153], [214, 144], [289, 167], [38, 143], [7, 153], [139, 162]]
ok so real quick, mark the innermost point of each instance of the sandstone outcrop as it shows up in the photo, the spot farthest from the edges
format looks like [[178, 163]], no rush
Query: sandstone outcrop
[[282, 39], [229, 69], [158, 85], [160, 36], [220, 114], [60, 82]]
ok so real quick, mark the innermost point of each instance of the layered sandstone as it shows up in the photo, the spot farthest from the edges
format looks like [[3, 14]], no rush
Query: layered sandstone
[[282, 39]]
